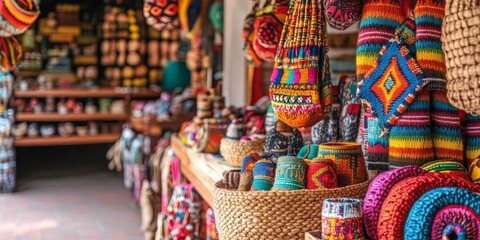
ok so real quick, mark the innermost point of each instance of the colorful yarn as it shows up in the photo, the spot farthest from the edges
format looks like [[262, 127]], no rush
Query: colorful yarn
[[472, 139], [161, 14], [403, 195], [263, 175], [350, 110], [290, 174], [321, 174], [474, 170], [349, 161], [456, 220], [378, 191], [342, 218], [424, 211], [392, 84], [449, 167], [377, 147], [410, 141], [10, 53], [309, 151], [246, 173], [342, 14], [301, 89]]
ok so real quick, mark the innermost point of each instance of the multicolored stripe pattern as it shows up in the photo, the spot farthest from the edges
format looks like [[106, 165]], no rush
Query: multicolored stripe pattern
[[301, 90]]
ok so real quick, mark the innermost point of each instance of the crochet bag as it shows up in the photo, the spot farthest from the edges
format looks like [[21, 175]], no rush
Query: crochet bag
[[268, 26], [17, 16], [10, 53], [248, 35], [341, 14], [161, 14], [300, 88], [460, 30]]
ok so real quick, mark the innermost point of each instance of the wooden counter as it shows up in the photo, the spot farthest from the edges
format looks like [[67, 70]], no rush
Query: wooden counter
[[201, 169]]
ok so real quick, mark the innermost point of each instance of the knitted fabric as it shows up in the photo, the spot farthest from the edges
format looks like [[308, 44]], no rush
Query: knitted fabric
[[456, 220], [232, 178], [270, 119], [472, 142], [449, 167], [191, 14], [309, 151], [410, 141], [474, 170], [290, 174], [332, 129], [211, 225], [246, 173], [278, 144], [17, 16], [301, 89], [380, 19], [350, 110], [247, 37], [263, 175], [348, 158], [10, 53], [423, 213], [268, 27], [393, 82], [321, 174], [161, 14], [377, 147], [403, 195], [342, 14], [378, 191], [342, 218], [320, 130]]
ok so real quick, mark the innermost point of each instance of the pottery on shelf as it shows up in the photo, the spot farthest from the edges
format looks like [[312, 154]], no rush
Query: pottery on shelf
[[66, 129], [82, 130], [47, 130], [32, 130], [20, 130]]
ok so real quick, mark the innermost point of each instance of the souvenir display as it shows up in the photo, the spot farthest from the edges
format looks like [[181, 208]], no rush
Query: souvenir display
[[342, 218]]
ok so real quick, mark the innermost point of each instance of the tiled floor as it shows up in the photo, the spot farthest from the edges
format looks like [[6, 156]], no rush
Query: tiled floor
[[90, 207]]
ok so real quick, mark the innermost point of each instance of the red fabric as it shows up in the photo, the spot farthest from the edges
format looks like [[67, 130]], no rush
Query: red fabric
[[257, 85]]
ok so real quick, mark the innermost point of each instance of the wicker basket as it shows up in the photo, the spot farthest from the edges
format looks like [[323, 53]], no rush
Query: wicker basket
[[274, 214], [233, 151], [460, 30]]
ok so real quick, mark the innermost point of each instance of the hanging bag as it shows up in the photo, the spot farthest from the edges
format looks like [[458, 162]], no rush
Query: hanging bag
[[300, 88], [248, 35], [17, 16], [161, 14], [460, 43]]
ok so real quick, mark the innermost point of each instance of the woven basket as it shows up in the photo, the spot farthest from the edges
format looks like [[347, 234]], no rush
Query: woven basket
[[276, 215], [233, 151], [460, 31]]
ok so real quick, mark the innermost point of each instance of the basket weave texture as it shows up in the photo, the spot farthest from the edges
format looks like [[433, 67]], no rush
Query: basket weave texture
[[274, 214], [461, 45], [234, 151]]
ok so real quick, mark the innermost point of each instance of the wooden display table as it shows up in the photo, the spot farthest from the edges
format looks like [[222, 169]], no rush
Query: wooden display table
[[201, 169]]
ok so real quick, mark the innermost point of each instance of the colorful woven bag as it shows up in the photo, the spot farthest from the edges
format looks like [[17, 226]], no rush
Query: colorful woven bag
[[446, 211], [342, 14], [10, 53], [342, 218], [290, 174], [17, 16], [301, 89], [267, 27], [321, 174], [399, 202], [161, 14], [248, 36], [349, 161]]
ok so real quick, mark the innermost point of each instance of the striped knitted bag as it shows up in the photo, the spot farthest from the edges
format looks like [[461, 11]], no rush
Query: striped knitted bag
[[17, 16], [380, 19], [446, 126], [472, 142], [301, 89]]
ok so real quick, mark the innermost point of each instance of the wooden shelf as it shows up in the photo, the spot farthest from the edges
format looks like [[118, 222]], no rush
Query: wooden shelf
[[73, 140], [63, 93], [201, 169], [55, 117], [155, 128], [27, 73], [85, 93]]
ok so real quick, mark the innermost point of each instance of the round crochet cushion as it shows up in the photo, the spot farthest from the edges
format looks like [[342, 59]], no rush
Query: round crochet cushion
[[378, 192], [444, 201], [403, 195], [450, 167]]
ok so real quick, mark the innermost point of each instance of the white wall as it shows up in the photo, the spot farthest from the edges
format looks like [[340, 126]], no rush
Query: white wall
[[234, 72]]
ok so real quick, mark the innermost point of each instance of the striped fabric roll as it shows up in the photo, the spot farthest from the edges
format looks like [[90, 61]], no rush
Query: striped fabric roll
[[410, 141]]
